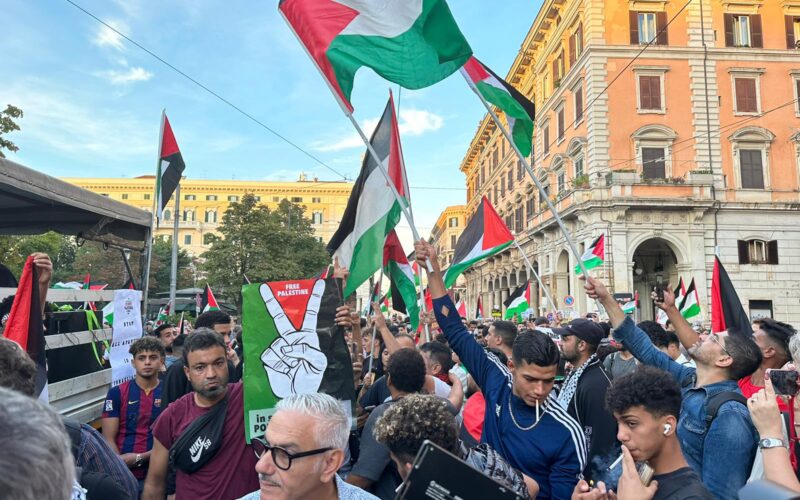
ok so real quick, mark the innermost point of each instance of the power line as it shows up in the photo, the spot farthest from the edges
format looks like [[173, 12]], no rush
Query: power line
[[204, 87]]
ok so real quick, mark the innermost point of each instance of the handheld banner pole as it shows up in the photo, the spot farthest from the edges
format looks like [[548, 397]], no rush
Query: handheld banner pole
[[153, 220], [545, 289]]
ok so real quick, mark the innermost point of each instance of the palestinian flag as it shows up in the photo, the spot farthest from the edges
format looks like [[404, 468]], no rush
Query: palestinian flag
[[519, 110], [108, 313], [414, 268], [479, 309], [372, 210], [170, 167], [680, 293], [690, 304], [726, 308], [413, 43], [594, 255], [485, 235], [163, 314], [461, 307], [24, 324], [630, 307], [519, 301], [400, 273], [385, 304], [207, 301]]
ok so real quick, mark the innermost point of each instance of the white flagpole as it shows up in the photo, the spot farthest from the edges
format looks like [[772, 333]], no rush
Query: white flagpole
[[149, 260], [536, 275], [173, 275]]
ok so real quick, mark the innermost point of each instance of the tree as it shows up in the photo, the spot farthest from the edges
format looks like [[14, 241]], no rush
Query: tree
[[8, 125], [264, 244], [61, 249]]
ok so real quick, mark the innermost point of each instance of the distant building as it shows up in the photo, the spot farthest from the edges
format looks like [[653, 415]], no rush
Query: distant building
[[445, 233], [203, 203], [672, 158]]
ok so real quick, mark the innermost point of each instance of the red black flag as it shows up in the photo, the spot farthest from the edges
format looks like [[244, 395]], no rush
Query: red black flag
[[726, 308], [24, 325], [170, 167], [130, 284]]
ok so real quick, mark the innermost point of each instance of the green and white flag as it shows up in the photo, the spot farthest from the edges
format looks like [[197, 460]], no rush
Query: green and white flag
[[594, 255], [403, 289], [519, 302], [690, 305]]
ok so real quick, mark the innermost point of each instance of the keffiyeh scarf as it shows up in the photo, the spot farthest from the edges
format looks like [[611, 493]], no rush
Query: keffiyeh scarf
[[571, 384]]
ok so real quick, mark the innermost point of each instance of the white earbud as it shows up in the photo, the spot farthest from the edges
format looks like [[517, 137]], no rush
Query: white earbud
[[667, 428]]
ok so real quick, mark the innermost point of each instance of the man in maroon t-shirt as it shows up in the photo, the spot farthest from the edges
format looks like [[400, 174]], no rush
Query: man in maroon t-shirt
[[230, 473]]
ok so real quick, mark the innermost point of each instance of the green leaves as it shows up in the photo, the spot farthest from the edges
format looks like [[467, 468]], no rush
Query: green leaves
[[8, 125]]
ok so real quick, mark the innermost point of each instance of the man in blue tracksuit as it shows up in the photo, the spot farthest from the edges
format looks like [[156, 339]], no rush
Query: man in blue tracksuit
[[524, 421]]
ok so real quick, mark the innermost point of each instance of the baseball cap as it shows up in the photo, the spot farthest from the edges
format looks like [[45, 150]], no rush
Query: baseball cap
[[585, 329]]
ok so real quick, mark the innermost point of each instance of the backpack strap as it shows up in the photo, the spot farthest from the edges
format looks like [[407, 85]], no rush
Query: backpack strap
[[714, 403]]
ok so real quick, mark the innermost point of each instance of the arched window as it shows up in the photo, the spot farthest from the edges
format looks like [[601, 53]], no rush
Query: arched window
[[653, 146], [188, 216], [575, 151], [211, 216], [751, 157]]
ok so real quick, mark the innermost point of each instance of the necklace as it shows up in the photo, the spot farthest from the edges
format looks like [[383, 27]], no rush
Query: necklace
[[513, 419]]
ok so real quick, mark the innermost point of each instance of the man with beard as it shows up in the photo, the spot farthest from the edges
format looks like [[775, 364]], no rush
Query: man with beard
[[222, 463], [132, 407], [583, 392]]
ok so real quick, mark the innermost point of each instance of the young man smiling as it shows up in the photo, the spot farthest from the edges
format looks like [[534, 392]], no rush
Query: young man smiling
[[524, 421]]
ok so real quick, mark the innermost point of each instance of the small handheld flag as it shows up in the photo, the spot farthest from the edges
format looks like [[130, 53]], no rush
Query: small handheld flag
[[594, 255]]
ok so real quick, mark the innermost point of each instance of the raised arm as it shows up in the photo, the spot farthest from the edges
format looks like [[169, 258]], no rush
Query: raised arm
[[379, 321], [683, 329]]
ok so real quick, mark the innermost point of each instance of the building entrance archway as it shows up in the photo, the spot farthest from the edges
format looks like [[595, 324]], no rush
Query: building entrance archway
[[654, 262]]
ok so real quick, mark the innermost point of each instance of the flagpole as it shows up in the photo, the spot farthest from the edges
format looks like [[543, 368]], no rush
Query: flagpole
[[536, 275], [173, 275], [149, 243], [372, 341]]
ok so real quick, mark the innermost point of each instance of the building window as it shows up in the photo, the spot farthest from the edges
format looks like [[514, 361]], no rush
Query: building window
[[167, 215], [530, 208], [297, 199], [743, 31], [746, 94], [561, 181], [124, 196], [510, 182], [653, 163], [546, 137], [208, 238], [758, 252], [233, 198], [147, 196], [650, 90], [792, 32], [104, 194], [578, 97], [453, 239], [521, 169], [316, 200], [578, 162], [257, 198], [519, 224], [751, 169], [797, 95], [316, 218], [187, 239], [453, 222], [648, 27], [576, 44], [760, 309], [190, 197], [211, 216], [751, 156], [276, 199], [502, 187], [211, 197], [560, 123], [188, 216], [558, 70]]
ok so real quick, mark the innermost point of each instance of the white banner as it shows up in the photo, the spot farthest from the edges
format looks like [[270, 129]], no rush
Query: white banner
[[127, 327]]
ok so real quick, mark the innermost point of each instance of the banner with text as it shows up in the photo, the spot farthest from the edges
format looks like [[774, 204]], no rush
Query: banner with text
[[292, 345], [126, 328]]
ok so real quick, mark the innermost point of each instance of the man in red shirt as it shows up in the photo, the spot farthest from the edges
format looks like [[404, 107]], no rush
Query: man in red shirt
[[132, 407], [228, 469], [772, 337]]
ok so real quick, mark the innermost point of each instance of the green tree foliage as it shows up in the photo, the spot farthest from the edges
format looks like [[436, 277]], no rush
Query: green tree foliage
[[264, 244], [8, 125], [16, 249]]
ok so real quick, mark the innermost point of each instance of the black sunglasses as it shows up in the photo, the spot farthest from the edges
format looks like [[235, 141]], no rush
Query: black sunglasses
[[282, 458]]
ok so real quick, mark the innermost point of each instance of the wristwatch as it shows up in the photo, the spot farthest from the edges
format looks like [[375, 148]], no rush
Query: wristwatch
[[768, 443], [138, 461]]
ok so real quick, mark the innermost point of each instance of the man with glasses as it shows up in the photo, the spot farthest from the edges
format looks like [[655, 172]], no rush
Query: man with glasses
[[302, 450], [720, 448]]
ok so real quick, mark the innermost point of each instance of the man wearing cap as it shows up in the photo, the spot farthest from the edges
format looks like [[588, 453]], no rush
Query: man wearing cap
[[583, 393]]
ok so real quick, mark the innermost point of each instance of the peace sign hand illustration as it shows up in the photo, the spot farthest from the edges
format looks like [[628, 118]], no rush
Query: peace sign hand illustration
[[294, 362]]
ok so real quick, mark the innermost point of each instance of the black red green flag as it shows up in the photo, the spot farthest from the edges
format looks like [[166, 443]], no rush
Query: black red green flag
[[726, 308], [170, 167]]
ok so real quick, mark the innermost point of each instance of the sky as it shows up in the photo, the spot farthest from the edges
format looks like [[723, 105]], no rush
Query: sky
[[92, 100]]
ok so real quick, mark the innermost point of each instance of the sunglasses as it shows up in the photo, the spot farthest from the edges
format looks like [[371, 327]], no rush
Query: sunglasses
[[281, 457]]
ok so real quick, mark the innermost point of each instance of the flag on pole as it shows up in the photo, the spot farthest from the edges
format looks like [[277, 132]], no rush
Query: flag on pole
[[207, 301], [372, 210], [24, 324], [680, 293], [479, 308], [414, 43], [519, 110], [690, 304], [163, 314], [594, 255], [630, 307], [130, 284], [461, 307], [324, 273], [403, 290], [108, 313], [485, 235], [519, 301], [726, 308], [170, 167]]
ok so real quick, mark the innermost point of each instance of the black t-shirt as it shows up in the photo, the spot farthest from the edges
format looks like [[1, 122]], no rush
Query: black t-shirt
[[682, 484], [376, 395]]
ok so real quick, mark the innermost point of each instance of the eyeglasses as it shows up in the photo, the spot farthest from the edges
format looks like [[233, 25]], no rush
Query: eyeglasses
[[282, 458], [715, 338]]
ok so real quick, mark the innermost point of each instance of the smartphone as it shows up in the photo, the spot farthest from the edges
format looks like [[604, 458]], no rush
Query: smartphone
[[784, 382], [659, 289]]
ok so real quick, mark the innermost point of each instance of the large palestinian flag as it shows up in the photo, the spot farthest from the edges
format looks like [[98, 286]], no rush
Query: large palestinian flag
[[519, 110], [414, 43], [594, 255], [519, 301], [726, 308], [170, 167], [372, 210], [485, 235], [207, 301], [398, 269], [690, 303]]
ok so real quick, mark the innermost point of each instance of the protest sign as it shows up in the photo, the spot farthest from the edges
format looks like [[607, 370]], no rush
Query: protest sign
[[292, 345], [126, 327]]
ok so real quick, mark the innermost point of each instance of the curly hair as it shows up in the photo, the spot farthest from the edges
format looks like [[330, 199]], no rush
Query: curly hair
[[147, 344], [653, 389], [406, 370], [658, 336], [535, 347], [412, 420], [17, 369]]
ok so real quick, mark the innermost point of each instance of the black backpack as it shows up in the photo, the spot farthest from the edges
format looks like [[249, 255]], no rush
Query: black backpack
[[714, 403]]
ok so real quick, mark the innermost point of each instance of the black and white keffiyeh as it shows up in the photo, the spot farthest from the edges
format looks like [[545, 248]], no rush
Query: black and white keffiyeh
[[571, 384]]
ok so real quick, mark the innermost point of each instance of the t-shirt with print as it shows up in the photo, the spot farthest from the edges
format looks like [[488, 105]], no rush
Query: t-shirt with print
[[231, 473]]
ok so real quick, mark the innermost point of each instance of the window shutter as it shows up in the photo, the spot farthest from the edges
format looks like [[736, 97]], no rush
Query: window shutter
[[655, 92], [744, 255], [580, 38], [546, 138], [772, 252], [728, 30], [556, 76], [634, 20], [579, 101], [746, 100], [756, 37], [644, 93], [571, 50], [661, 24], [789, 32]]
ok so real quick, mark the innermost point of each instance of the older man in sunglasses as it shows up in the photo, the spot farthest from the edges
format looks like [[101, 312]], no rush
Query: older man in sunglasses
[[302, 449]]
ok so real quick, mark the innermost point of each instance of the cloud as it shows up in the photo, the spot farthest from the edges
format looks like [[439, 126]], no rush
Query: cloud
[[106, 37], [135, 74], [413, 122]]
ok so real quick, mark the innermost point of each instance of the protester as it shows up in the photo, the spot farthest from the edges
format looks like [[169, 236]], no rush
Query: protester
[[541, 321], [475, 407], [619, 363], [438, 362], [417, 417], [35, 461], [666, 341], [772, 338], [166, 333], [501, 336], [584, 390], [523, 421], [302, 449], [722, 359], [177, 351], [132, 407], [201, 433]]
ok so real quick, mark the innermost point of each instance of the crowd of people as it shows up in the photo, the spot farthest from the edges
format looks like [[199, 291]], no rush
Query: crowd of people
[[592, 408]]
